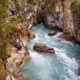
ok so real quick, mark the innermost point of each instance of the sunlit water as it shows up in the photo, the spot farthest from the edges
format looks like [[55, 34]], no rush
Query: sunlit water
[[64, 65]]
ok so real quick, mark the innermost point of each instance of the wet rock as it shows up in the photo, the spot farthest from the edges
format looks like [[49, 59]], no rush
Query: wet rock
[[50, 50], [32, 35], [41, 47], [67, 37], [18, 46], [52, 20], [52, 33]]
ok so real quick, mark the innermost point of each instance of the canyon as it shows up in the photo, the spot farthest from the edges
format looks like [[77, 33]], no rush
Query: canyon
[[59, 16]]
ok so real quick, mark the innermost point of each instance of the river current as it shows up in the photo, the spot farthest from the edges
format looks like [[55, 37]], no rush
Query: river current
[[64, 65]]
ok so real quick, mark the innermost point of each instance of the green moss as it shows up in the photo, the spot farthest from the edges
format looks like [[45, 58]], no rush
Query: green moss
[[6, 27], [21, 18], [75, 6], [50, 4], [18, 7], [2, 72], [30, 1], [3, 9], [26, 78]]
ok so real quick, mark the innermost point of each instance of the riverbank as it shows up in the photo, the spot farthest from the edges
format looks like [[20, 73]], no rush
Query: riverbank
[[17, 57], [21, 35]]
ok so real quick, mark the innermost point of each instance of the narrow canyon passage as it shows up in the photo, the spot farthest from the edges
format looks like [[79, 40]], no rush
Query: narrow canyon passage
[[63, 65]]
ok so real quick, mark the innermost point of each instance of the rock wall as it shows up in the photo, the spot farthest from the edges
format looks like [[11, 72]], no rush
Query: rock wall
[[76, 20], [18, 40], [65, 16], [75, 7], [18, 56], [61, 16]]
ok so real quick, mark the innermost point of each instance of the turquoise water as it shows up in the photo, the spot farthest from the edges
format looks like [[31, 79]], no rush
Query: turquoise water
[[64, 65]]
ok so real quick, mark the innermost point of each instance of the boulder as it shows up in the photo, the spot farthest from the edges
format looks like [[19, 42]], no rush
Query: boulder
[[32, 35], [41, 47], [67, 37], [50, 50], [52, 33]]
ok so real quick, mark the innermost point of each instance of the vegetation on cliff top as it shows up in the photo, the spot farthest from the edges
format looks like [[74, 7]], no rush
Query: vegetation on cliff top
[[7, 26], [75, 6]]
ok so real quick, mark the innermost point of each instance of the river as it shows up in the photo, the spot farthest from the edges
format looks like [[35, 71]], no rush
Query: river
[[64, 65]]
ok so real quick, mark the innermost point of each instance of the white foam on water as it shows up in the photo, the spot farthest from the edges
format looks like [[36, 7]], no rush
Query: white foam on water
[[58, 73], [44, 64], [70, 62], [66, 78], [36, 38], [34, 54], [73, 75], [47, 38], [38, 58], [58, 34], [44, 67], [67, 42]]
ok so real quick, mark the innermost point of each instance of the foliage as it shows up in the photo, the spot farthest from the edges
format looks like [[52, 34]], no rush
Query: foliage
[[26, 78], [30, 1], [21, 15], [8, 52], [39, 2], [50, 3], [3, 15], [18, 7], [3, 35], [7, 27], [3, 9], [2, 72], [75, 6]]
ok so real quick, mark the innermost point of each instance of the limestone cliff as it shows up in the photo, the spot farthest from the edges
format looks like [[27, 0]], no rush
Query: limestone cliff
[[18, 55], [53, 13], [23, 14], [61, 15]]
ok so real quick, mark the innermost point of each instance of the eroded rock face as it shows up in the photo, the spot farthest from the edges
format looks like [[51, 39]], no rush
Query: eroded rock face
[[67, 37], [32, 35], [19, 52], [76, 21], [14, 62], [61, 16], [41, 47], [52, 20]]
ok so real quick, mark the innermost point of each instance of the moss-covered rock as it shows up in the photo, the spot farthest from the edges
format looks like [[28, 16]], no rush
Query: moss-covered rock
[[75, 6], [2, 72]]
